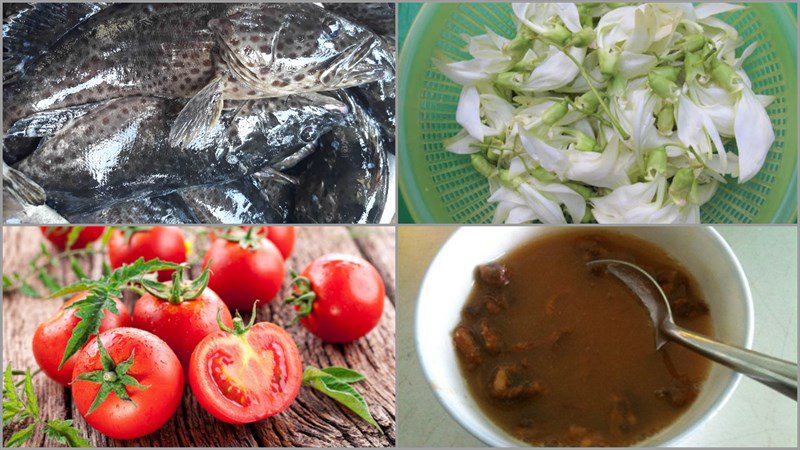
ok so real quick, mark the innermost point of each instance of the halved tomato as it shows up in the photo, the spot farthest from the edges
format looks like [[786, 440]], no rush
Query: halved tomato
[[246, 374]]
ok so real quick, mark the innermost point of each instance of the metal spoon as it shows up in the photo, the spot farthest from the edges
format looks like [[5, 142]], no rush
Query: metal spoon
[[775, 373]]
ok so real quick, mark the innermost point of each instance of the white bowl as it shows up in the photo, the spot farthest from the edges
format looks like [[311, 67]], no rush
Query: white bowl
[[448, 282]]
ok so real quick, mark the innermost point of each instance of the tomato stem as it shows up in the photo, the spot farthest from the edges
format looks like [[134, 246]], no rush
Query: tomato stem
[[302, 298]]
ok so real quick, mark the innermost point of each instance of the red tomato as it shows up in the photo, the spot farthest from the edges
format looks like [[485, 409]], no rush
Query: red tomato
[[248, 374], [181, 323], [154, 365], [283, 238], [164, 243], [51, 337], [58, 236], [243, 275], [347, 300]]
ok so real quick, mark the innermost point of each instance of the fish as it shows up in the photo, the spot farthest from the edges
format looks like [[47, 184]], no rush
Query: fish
[[238, 202], [23, 201], [120, 151], [379, 17], [346, 179], [206, 52], [163, 209], [30, 29], [379, 99]]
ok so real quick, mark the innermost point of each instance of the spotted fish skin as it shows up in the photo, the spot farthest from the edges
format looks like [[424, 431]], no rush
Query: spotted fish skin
[[174, 50], [377, 16], [120, 150], [165, 209], [124, 50], [235, 202], [346, 179]]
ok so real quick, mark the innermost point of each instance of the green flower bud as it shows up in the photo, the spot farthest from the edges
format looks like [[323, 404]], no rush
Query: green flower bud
[[509, 80], [558, 35], [522, 42], [585, 15], [693, 65], [555, 112], [510, 183], [665, 121], [588, 102], [617, 86], [609, 62], [693, 42], [483, 166], [662, 86], [584, 142], [583, 38], [668, 72], [588, 216], [683, 188], [542, 174], [584, 191], [724, 75], [656, 163]]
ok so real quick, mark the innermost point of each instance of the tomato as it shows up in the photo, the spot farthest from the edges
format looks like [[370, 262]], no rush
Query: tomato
[[164, 243], [283, 238], [51, 337], [154, 366], [246, 271], [344, 300], [246, 374], [183, 318], [58, 236]]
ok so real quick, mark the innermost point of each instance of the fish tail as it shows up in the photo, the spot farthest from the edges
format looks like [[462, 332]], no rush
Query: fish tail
[[23, 188]]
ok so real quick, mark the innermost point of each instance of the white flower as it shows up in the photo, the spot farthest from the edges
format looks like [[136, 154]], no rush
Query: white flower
[[754, 134], [556, 71], [550, 158], [608, 169], [534, 200], [697, 130], [539, 17]]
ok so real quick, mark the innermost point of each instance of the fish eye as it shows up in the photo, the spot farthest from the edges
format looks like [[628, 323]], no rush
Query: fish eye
[[307, 134]]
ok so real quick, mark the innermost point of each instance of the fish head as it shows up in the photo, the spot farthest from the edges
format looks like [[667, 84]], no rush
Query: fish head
[[281, 49]]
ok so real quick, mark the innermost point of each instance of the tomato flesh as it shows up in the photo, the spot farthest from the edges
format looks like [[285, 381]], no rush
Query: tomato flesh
[[246, 378]]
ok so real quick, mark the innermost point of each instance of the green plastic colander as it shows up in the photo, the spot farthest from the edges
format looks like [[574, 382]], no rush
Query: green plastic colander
[[441, 187]]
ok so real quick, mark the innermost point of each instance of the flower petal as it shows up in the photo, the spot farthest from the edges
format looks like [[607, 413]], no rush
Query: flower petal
[[754, 134]]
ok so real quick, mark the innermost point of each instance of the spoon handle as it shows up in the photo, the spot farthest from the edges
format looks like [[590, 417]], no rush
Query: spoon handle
[[775, 373]]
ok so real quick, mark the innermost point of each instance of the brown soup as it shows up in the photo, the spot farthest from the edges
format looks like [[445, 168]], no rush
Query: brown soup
[[559, 355]]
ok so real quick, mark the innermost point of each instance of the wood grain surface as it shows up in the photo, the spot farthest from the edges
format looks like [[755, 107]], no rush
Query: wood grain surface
[[313, 420]]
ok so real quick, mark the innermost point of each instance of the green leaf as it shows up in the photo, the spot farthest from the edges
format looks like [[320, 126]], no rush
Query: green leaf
[[43, 250], [20, 437], [74, 232], [7, 283], [30, 394], [76, 268], [339, 391], [71, 289], [344, 374], [63, 432], [49, 282], [91, 311], [10, 412], [106, 269], [28, 290], [9, 390]]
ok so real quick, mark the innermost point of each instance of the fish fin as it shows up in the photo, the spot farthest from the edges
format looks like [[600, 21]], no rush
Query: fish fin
[[47, 123], [336, 67], [270, 175], [199, 115], [32, 31], [24, 189]]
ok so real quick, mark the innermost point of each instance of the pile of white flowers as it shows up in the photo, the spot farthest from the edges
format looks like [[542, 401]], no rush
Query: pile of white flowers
[[612, 114]]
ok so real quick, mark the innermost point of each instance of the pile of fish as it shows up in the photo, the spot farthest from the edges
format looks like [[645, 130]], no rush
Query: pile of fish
[[207, 113]]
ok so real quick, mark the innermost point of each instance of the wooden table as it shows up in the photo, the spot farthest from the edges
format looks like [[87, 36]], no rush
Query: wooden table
[[313, 420]]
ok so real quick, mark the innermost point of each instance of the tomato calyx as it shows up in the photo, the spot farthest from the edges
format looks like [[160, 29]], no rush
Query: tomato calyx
[[179, 291], [129, 231], [239, 328], [247, 239], [112, 377], [302, 298]]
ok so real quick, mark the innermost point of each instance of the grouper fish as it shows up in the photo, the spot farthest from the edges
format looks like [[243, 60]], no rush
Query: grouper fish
[[119, 150], [208, 53], [346, 179]]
